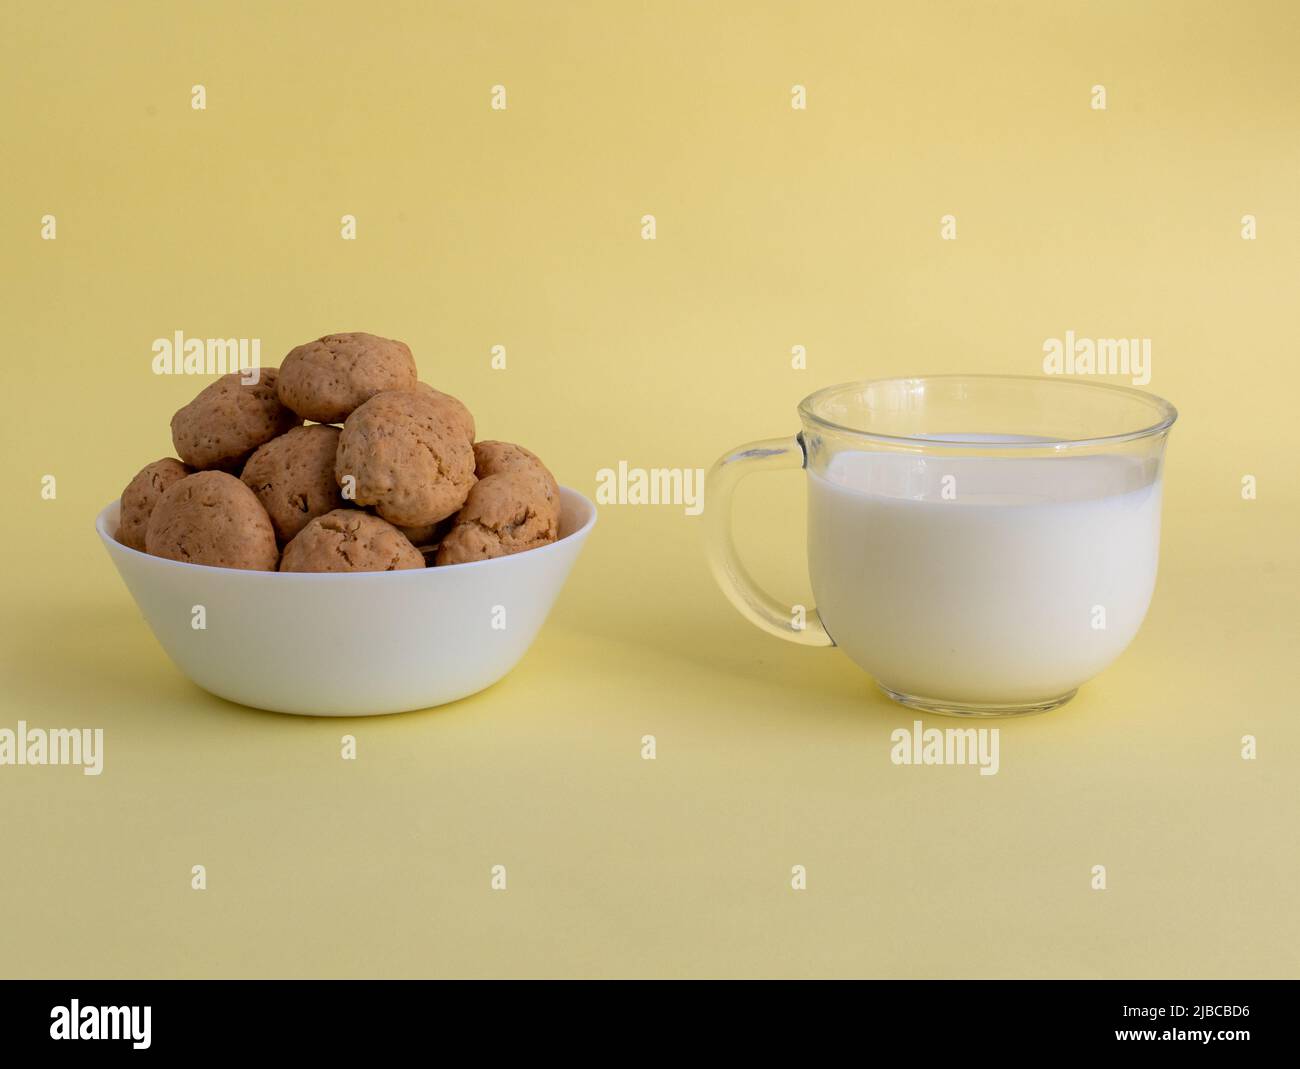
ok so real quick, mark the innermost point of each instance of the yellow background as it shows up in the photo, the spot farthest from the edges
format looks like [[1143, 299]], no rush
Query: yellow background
[[776, 228]]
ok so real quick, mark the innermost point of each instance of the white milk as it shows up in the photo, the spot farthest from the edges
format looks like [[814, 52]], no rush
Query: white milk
[[992, 596]]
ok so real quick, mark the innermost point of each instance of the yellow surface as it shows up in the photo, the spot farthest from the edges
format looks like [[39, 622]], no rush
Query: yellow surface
[[775, 228]]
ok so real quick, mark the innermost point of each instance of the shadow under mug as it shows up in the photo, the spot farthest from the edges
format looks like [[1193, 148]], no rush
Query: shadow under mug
[[980, 544]]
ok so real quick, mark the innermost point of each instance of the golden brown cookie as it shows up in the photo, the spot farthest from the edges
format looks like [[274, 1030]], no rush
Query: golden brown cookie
[[228, 420], [406, 457], [427, 538], [142, 494], [212, 518], [327, 379], [349, 540], [428, 534], [456, 410], [493, 458], [506, 513], [293, 477]]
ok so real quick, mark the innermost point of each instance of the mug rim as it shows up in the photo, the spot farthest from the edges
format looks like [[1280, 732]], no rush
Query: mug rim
[[1168, 413]]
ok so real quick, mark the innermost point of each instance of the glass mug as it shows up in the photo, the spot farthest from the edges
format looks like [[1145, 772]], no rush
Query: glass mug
[[980, 544]]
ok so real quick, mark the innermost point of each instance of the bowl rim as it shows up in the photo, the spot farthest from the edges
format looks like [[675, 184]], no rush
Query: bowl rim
[[566, 492]]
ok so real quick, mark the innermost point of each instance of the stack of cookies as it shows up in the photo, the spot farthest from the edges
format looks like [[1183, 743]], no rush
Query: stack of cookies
[[340, 460]]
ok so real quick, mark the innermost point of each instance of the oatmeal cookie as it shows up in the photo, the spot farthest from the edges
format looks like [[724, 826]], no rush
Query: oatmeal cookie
[[493, 458], [506, 513], [456, 410], [349, 540], [293, 477], [326, 380], [212, 518], [228, 420], [142, 494], [405, 458]]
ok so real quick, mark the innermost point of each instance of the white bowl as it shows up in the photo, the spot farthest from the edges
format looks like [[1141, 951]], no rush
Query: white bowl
[[350, 644]]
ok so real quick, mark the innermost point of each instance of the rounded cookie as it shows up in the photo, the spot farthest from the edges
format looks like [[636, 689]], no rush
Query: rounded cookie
[[349, 540], [427, 538], [293, 477], [405, 458], [455, 408], [428, 534], [142, 494], [212, 518], [229, 419], [326, 380], [493, 458], [506, 513]]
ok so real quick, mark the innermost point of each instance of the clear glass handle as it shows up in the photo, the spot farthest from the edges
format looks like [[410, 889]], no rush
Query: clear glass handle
[[753, 603]]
